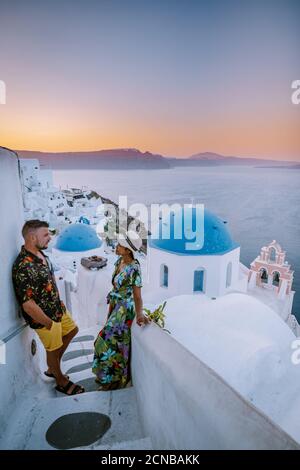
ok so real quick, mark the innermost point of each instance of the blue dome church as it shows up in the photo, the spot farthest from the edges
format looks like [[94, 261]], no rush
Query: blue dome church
[[75, 242], [78, 237], [191, 251]]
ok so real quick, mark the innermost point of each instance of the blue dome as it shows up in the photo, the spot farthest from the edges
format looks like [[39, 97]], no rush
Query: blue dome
[[78, 237], [213, 240]]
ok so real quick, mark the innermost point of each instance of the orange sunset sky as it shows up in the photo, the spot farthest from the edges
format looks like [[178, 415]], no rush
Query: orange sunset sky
[[174, 78]]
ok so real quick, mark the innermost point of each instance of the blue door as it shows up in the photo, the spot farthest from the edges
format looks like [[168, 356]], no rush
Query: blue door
[[164, 275], [198, 280]]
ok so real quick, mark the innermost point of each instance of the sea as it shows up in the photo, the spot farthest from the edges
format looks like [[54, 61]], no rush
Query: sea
[[259, 204]]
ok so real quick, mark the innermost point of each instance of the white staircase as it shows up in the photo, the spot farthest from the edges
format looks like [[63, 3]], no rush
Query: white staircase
[[39, 408]]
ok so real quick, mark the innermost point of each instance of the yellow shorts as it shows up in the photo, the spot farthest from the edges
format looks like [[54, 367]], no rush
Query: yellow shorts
[[52, 339]]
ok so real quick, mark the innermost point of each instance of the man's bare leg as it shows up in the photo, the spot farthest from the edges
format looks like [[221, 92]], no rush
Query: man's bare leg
[[61, 380], [66, 341], [53, 361]]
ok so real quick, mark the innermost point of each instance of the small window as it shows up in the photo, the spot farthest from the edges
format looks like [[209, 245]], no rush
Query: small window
[[229, 274], [164, 275], [276, 278], [264, 276], [272, 255]]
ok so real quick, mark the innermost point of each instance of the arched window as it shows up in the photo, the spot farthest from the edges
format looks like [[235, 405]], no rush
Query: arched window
[[228, 274], [164, 276], [276, 278], [272, 254], [199, 280], [264, 275]]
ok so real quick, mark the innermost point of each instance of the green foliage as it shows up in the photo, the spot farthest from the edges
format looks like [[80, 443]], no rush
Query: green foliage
[[157, 315]]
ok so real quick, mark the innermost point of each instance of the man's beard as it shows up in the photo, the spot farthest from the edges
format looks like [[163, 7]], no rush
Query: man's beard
[[39, 247]]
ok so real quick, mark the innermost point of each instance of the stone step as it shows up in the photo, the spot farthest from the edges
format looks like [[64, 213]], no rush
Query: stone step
[[136, 444], [30, 424]]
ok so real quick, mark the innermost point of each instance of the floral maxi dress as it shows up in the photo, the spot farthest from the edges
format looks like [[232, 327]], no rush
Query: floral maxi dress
[[113, 345]]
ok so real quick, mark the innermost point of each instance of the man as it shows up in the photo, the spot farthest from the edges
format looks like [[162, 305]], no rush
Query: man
[[38, 296]]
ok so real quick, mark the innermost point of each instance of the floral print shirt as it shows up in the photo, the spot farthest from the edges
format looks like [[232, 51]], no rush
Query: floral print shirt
[[34, 280]]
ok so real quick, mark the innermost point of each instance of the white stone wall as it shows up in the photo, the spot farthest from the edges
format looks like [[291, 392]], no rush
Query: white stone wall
[[92, 289], [182, 267], [184, 404], [12, 219], [17, 340]]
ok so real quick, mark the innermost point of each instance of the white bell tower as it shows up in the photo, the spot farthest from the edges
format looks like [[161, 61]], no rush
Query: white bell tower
[[271, 275]]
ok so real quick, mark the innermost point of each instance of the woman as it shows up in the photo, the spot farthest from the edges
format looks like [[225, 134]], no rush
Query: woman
[[113, 345]]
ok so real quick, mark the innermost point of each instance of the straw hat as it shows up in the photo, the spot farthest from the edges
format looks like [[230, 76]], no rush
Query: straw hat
[[130, 240]]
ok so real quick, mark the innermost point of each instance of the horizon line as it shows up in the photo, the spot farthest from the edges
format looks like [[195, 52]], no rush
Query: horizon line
[[160, 154]]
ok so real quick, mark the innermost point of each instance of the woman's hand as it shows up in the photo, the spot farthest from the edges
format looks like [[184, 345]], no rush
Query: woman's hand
[[141, 319]]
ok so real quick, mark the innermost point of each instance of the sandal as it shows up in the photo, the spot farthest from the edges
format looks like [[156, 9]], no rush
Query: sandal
[[76, 390], [48, 374]]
